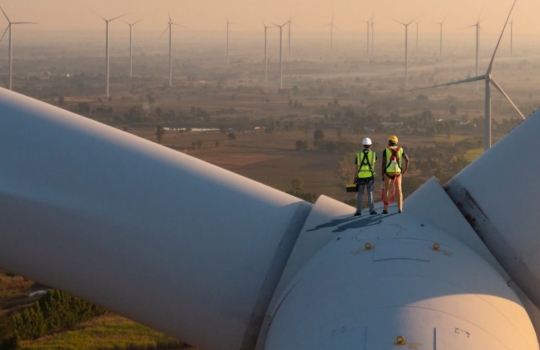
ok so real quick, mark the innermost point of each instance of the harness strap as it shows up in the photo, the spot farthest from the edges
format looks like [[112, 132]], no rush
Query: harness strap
[[395, 155], [365, 161]]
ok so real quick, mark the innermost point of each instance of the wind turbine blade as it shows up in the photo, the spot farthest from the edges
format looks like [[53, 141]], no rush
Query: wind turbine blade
[[179, 25], [163, 32], [494, 83], [170, 20], [480, 15], [112, 19], [4, 14], [490, 67], [398, 22], [137, 21], [5, 31], [480, 77], [24, 23], [100, 16], [414, 19], [474, 25], [444, 19]]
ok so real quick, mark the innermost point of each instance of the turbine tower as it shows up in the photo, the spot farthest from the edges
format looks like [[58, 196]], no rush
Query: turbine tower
[[107, 52], [227, 26], [478, 27], [130, 46], [417, 24], [10, 56], [281, 52], [266, 52], [488, 79], [440, 36], [512, 38], [169, 28], [368, 24], [406, 25], [332, 26], [372, 35]]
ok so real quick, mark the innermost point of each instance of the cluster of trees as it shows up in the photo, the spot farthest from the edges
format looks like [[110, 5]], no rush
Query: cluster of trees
[[54, 311], [297, 190]]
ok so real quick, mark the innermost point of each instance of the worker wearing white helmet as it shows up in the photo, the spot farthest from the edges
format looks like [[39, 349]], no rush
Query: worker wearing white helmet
[[365, 176]]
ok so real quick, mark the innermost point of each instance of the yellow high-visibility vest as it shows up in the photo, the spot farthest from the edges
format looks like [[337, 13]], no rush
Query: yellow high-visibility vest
[[365, 161], [393, 166]]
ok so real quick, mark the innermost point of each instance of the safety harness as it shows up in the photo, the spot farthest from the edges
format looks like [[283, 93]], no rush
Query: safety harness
[[365, 161], [392, 162]]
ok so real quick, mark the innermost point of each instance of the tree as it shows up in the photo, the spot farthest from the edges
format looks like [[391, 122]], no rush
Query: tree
[[61, 100], [452, 109], [160, 131], [318, 135], [84, 107], [298, 184], [301, 145], [197, 144], [231, 136]]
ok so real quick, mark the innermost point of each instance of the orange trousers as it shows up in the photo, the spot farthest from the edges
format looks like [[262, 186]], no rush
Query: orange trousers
[[391, 185]]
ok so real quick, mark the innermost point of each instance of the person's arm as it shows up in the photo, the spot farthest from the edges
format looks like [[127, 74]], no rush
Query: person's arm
[[355, 170], [406, 159], [383, 165]]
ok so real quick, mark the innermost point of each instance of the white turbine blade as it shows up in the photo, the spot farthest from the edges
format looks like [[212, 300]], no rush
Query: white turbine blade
[[414, 19], [5, 31], [179, 25], [165, 31], [100, 16], [78, 224], [112, 19], [494, 83], [24, 23], [490, 67], [474, 25], [142, 19], [4, 13], [405, 24], [480, 77]]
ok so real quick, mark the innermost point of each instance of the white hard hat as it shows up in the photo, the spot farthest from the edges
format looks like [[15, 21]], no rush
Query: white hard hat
[[366, 141]]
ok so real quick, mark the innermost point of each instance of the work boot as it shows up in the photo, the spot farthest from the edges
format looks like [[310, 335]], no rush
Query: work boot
[[357, 213], [385, 211], [373, 212], [399, 211]]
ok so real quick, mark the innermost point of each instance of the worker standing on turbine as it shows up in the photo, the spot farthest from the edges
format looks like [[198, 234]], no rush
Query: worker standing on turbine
[[365, 176], [392, 170]]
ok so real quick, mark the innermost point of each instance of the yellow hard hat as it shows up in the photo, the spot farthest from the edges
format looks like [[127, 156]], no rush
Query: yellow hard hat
[[393, 138]]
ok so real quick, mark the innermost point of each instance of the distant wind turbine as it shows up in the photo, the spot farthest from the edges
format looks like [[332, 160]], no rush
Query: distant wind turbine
[[228, 23], [332, 26], [281, 52], [406, 25], [488, 81], [368, 23], [417, 23], [440, 36], [130, 46], [10, 46], [289, 38], [512, 38], [478, 27], [169, 28], [265, 52], [107, 51], [372, 35]]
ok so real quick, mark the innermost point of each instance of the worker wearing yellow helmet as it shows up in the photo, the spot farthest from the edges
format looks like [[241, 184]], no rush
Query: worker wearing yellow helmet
[[395, 164], [365, 176]]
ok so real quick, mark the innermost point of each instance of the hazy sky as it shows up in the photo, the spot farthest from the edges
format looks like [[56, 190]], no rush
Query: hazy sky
[[311, 15]]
